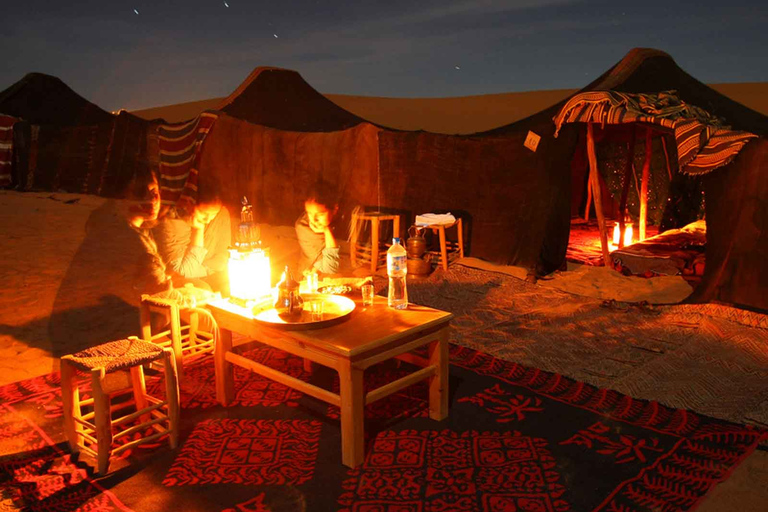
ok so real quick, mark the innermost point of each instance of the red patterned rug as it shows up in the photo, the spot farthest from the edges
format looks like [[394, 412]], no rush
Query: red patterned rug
[[517, 439]]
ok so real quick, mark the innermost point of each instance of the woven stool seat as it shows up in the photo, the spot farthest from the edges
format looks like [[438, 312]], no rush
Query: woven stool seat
[[116, 355], [189, 330], [115, 369]]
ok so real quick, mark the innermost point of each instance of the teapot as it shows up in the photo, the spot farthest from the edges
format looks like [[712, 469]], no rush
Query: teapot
[[416, 245], [289, 303]]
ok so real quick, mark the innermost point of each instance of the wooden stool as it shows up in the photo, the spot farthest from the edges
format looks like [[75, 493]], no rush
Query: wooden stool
[[358, 220], [440, 228], [185, 340], [116, 368]]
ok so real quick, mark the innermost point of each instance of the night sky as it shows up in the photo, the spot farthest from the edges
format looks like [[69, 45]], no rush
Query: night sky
[[122, 54]]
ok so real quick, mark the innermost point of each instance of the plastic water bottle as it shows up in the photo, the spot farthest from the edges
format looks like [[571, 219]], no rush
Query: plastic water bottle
[[397, 270]]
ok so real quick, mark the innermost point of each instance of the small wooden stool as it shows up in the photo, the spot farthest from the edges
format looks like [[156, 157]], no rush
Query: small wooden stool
[[440, 228], [116, 368], [358, 220], [185, 340]]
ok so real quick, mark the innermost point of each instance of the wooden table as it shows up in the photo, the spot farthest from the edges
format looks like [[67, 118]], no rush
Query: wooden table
[[369, 336]]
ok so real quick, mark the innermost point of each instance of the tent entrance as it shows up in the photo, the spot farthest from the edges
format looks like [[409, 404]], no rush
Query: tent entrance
[[636, 169]]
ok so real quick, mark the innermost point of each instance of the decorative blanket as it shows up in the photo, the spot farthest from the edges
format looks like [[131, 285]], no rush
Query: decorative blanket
[[704, 142], [6, 149], [674, 252], [180, 146]]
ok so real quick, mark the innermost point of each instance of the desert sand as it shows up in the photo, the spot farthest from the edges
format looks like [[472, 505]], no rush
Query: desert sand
[[67, 283]]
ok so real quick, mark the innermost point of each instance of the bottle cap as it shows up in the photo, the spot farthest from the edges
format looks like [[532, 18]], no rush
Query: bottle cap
[[396, 240]]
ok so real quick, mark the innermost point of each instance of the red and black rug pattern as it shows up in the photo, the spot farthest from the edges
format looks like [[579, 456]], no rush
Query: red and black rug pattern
[[516, 439], [247, 452]]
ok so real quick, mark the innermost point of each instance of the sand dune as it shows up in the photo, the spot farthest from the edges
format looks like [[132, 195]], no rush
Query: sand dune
[[461, 115]]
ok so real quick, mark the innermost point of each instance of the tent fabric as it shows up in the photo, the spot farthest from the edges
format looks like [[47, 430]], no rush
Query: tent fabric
[[647, 70], [45, 100], [704, 143], [737, 232], [6, 149], [275, 169], [513, 202], [67, 143], [280, 98], [96, 159], [179, 149]]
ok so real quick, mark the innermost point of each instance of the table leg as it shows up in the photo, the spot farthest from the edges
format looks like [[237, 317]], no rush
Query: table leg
[[352, 417], [225, 374], [438, 384]]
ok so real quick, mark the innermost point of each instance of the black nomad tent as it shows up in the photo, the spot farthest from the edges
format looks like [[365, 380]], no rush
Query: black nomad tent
[[64, 142], [735, 196]]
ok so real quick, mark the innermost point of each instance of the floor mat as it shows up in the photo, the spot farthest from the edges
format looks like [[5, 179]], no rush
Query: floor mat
[[517, 438]]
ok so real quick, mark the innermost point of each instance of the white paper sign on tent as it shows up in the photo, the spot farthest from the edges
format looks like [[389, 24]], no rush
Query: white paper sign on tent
[[532, 141]]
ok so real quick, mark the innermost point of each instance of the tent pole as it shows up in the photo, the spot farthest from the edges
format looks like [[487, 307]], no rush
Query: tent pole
[[594, 182], [666, 156], [589, 201], [644, 183], [625, 185]]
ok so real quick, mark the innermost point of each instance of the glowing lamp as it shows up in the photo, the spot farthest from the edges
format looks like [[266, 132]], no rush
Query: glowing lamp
[[249, 274]]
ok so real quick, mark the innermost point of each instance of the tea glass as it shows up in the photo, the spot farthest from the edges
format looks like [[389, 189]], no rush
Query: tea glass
[[316, 308], [312, 282], [368, 292]]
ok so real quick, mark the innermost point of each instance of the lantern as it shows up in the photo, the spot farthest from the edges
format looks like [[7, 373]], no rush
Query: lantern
[[249, 274]]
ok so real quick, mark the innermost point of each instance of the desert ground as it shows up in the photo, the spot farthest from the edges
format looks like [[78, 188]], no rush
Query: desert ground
[[69, 264]]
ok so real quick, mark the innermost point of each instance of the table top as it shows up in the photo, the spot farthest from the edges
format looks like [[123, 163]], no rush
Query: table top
[[366, 328]]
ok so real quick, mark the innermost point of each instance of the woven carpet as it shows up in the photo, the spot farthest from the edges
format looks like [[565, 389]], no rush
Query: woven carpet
[[516, 439], [687, 356]]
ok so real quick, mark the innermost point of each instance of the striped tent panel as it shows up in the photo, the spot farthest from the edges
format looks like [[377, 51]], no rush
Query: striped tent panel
[[179, 146], [6, 149], [704, 142]]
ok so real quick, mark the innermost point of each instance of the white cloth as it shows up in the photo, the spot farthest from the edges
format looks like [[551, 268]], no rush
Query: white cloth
[[434, 219]]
